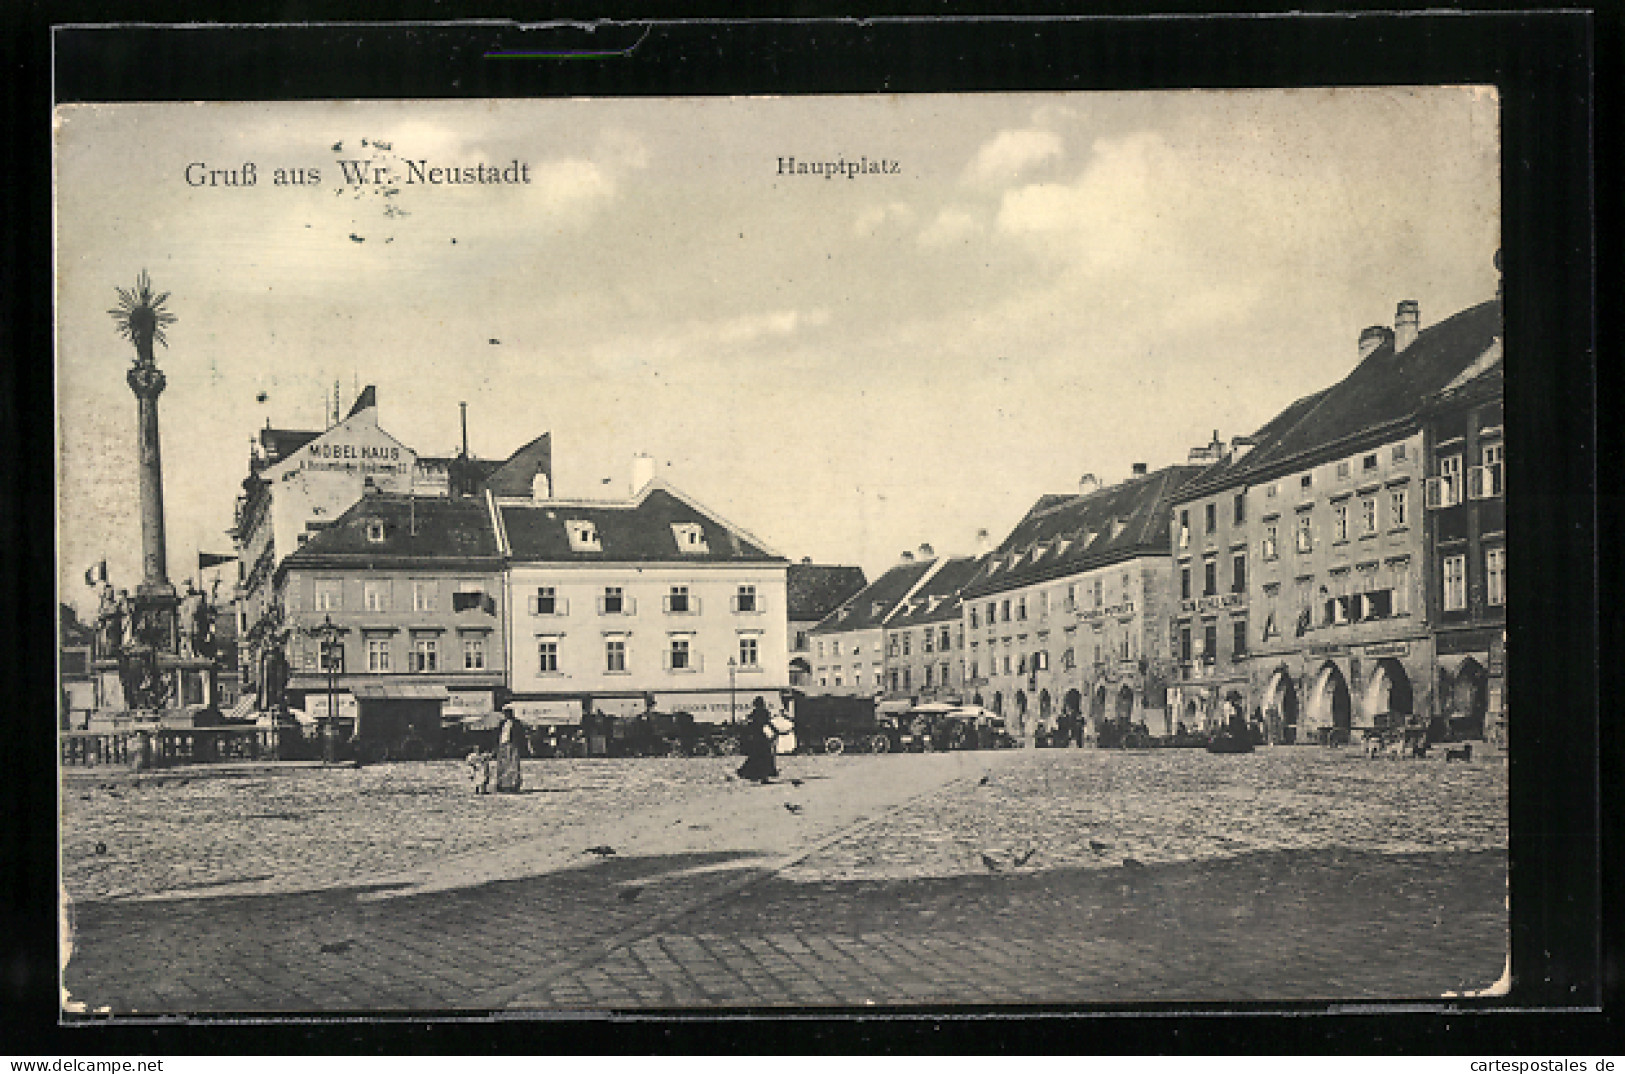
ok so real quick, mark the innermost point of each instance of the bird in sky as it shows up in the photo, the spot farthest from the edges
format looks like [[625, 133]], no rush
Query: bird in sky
[[992, 865], [983, 781], [1098, 847], [792, 807], [601, 850], [1024, 858]]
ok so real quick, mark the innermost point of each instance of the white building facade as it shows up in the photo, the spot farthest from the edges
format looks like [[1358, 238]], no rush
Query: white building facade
[[653, 603]]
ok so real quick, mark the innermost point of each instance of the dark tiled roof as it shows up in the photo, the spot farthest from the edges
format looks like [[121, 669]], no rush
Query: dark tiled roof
[[513, 476], [816, 589], [1218, 475], [367, 398], [940, 598], [419, 532], [280, 443], [1054, 540], [635, 532], [871, 604], [1386, 388]]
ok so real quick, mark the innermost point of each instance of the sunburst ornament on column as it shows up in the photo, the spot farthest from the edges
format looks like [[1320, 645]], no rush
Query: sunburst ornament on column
[[141, 317]]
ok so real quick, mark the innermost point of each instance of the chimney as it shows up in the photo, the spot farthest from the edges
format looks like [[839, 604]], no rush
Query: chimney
[[1139, 469], [984, 542], [906, 557], [1407, 321], [1372, 338], [927, 552], [1088, 483], [806, 561], [541, 488], [643, 472]]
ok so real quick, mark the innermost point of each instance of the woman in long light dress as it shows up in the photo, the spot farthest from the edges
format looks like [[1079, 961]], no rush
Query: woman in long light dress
[[508, 746]]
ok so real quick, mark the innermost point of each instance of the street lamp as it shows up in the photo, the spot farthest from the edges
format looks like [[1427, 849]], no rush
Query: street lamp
[[329, 635], [733, 669]]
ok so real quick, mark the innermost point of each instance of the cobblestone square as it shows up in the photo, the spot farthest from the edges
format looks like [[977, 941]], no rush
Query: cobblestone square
[[1056, 877]]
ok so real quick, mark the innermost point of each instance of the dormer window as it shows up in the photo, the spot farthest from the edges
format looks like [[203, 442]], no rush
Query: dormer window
[[690, 538], [375, 531], [583, 536]]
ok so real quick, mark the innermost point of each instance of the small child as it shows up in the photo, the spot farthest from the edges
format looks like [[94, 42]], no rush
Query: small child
[[479, 771]]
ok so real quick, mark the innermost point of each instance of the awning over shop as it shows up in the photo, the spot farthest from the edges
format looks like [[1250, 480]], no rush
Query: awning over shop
[[399, 691], [553, 713]]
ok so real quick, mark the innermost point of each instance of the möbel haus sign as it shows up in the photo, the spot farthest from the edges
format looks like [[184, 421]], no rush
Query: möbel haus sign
[[380, 458]]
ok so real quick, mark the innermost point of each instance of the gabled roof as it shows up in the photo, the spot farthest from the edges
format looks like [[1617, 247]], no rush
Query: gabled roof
[[870, 606], [939, 597], [514, 475], [367, 398], [420, 532], [635, 531], [1387, 388], [1072, 534], [816, 589]]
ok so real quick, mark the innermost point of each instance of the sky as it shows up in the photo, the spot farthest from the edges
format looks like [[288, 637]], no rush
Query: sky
[[1043, 286]]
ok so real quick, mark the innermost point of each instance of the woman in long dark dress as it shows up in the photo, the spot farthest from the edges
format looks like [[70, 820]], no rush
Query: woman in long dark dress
[[760, 763], [508, 745]]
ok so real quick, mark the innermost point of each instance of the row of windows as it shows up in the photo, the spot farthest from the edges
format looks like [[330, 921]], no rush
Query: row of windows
[[1014, 609], [1454, 574], [1210, 518], [1210, 576], [1367, 521], [423, 655], [1483, 482], [614, 600], [679, 655], [378, 595]]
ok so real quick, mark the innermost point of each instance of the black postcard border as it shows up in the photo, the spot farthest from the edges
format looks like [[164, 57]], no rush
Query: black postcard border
[[1545, 64]]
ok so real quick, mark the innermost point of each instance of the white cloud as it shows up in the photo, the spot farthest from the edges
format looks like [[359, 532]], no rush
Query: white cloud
[[951, 226], [571, 186], [874, 217], [1012, 152]]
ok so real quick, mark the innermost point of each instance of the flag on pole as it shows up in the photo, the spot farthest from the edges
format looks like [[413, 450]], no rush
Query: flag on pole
[[97, 574], [205, 560]]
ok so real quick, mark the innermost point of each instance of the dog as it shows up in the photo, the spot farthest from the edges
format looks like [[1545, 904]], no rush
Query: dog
[[480, 771], [1465, 753]]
